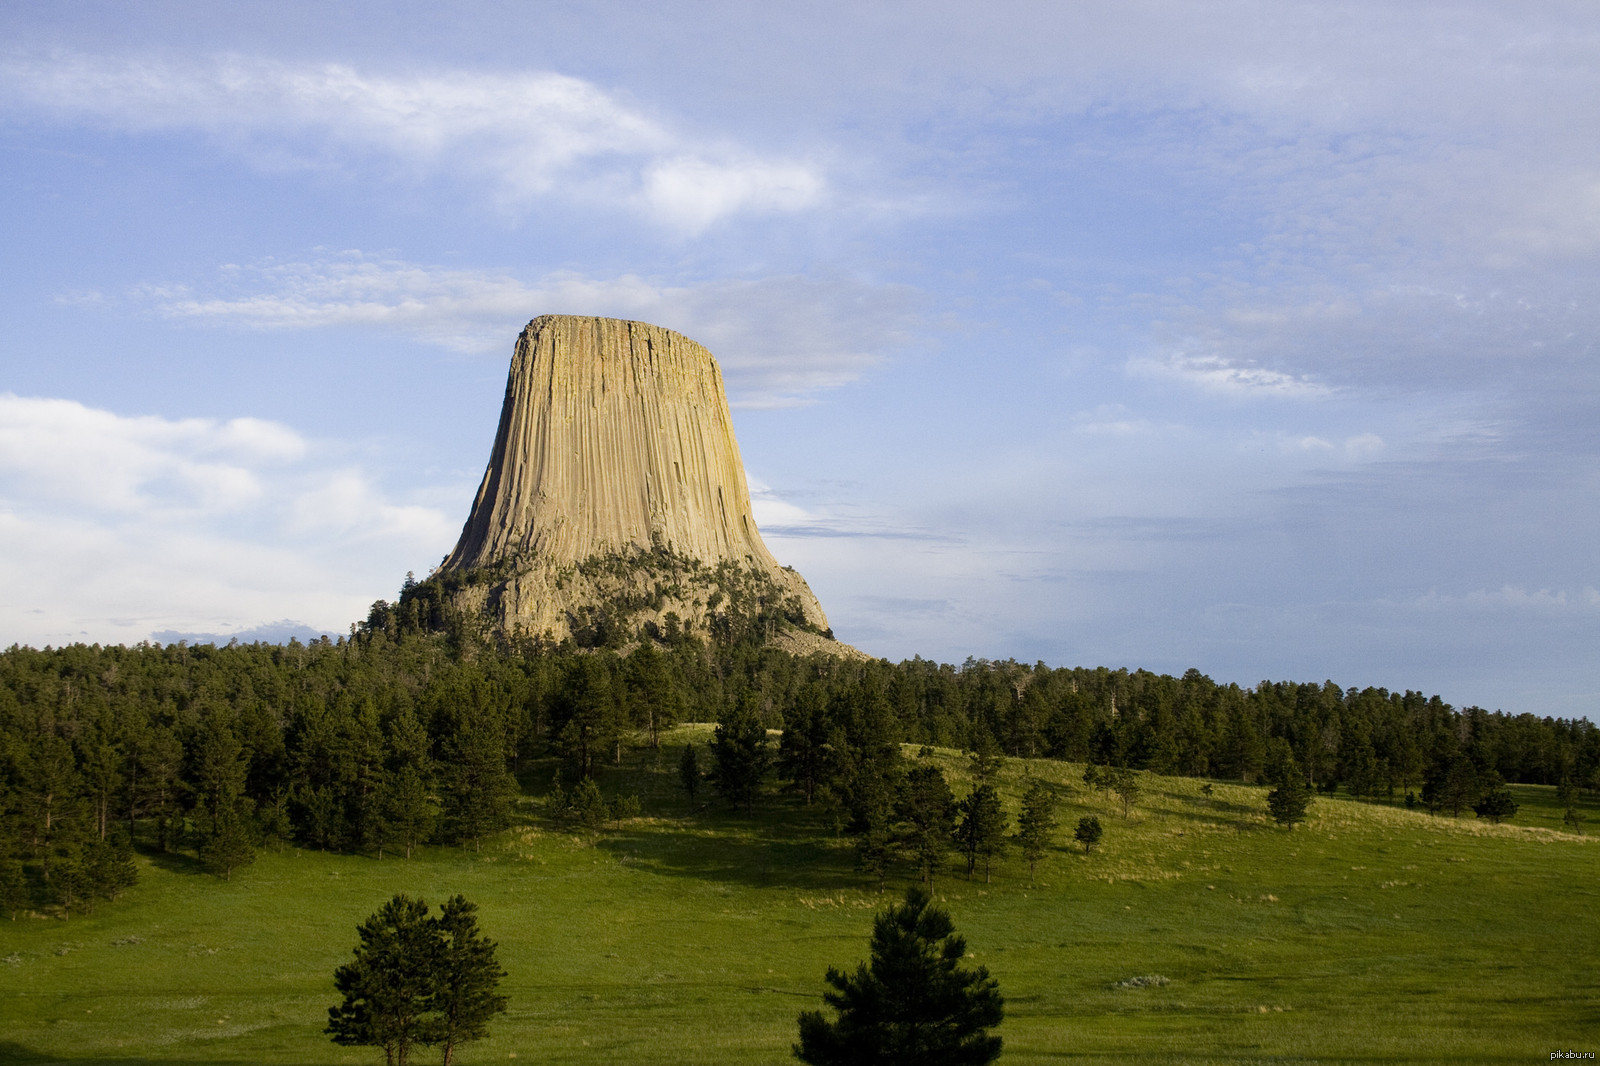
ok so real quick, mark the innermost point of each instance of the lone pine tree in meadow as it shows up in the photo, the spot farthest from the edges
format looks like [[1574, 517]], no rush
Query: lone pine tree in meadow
[[1496, 805], [1290, 797], [417, 980], [1125, 783], [1088, 832], [1452, 786], [981, 831], [388, 985], [464, 997], [228, 842], [1035, 824], [1289, 801], [913, 1004]]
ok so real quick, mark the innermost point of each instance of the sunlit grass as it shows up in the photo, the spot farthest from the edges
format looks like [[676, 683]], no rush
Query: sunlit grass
[[1369, 933]]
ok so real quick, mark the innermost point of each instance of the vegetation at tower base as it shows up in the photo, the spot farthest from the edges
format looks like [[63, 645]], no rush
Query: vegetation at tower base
[[914, 1004], [613, 601]]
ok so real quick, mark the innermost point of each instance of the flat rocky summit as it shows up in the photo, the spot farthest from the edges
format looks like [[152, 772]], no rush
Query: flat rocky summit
[[615, 497]]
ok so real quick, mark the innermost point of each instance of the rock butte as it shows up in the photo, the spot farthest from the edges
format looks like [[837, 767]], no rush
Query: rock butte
[[615, 486]]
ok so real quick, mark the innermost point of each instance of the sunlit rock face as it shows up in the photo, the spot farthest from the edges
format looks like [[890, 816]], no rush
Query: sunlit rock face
[[615, 492]]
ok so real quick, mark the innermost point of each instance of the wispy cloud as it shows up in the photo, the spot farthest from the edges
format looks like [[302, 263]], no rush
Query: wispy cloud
[[113, 527], [780, 519], [527, 135], [1214, 373], [778, 339]]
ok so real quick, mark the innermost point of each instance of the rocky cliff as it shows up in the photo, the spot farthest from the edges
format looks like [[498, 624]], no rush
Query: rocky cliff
[[615, 501]]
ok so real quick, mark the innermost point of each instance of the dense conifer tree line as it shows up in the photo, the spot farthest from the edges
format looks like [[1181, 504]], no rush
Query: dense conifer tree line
[[413, 731]]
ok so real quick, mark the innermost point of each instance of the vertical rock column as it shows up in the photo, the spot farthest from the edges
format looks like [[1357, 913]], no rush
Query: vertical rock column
[[613, 435]]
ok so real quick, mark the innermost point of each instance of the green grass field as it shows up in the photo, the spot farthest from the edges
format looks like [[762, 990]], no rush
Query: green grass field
[[1370, 934]]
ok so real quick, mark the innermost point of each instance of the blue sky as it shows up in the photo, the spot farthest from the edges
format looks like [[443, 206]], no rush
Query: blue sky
[[1256, 337]]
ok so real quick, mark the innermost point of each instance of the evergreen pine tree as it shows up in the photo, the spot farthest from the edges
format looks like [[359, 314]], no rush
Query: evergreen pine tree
[[1125, 783], [655, 698], [914, 1004], [689, 771], [48, 804], [587, 720], [109, 866], [739, 754], [465, 998], [925, 808], [804, 754], [13, 887], [408, 806], [1289, 802], [872, 824], [1452, 785], [478, 791], [589, 806], [985, 758], [229, 841], [227, 834], [1035, 824], [389, 986], [981, 828], [1088, 832], [1496, 805], [68, 886]]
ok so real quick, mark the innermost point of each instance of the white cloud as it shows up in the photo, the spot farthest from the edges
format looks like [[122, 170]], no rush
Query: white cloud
[[1213, 373], [78, 455], [777, 338], [1364, 445], [529, 135], [113, 527], [771, 510], [1114, 420]]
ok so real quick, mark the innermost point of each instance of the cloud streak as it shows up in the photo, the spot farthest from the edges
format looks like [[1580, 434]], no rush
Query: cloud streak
[[778, 339], [1213, 373], [528, 136]]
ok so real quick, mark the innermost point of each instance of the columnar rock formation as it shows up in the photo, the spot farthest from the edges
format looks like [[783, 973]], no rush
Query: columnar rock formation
[[615, 492]]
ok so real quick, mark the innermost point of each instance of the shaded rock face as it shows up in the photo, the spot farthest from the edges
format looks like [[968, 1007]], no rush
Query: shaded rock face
[[615, 491]]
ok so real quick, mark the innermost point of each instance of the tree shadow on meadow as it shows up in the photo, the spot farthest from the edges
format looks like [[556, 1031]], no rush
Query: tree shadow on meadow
[[733, 849], [171, 861]]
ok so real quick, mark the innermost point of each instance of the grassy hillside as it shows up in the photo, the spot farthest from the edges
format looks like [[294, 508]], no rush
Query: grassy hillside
[[1370, 933]]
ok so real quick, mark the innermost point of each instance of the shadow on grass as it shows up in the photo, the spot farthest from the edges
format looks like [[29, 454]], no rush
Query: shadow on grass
[[1212, 804], [172, 861], [731, 849], [17, 1055]]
